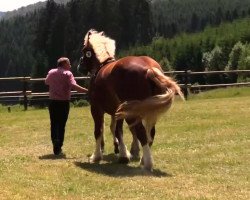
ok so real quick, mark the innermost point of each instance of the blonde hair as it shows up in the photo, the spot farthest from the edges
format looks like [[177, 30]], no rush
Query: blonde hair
[[103, 46]]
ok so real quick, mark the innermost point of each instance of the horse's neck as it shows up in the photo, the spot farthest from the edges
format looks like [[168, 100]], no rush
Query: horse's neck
[[109, 60]]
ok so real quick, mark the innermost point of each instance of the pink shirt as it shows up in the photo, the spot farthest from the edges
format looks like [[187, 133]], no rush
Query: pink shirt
[[60, 82]]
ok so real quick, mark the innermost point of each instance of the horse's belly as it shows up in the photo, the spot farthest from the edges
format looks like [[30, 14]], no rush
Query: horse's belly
[[106, 101]]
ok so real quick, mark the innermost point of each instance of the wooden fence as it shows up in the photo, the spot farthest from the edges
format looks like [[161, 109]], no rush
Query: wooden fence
[[26, 95]]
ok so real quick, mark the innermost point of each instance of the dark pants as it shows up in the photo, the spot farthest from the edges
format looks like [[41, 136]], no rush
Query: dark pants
[[59, 111]]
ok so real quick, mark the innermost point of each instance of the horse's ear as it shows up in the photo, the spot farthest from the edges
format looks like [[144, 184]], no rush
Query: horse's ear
[[87, 38], [89, 33]]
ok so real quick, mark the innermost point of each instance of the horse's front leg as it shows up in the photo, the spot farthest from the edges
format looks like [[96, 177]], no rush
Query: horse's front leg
[[113, 128], [98, 116], [124, 155]]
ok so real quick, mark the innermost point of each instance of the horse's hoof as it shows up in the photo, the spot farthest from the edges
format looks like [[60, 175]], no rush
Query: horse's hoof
[[148, 168], [135, 155], [123, 160], [94, 159]]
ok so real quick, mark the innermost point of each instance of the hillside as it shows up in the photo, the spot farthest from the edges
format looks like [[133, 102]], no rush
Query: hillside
[[30, 44], [30, 8], [175, 16], [2, 14]]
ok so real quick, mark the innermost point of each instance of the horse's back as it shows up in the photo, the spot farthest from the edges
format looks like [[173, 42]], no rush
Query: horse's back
[[129, 66], [124, 80], [129, 77], [137, 62]]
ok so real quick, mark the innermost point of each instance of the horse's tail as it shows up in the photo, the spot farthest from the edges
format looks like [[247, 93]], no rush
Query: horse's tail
[[150, 108], [164, 82]]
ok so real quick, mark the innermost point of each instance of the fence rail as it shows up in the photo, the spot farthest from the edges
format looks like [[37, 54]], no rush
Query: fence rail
[[25, 95]]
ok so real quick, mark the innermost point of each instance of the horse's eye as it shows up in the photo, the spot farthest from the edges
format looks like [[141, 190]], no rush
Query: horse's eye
[[88, 54]]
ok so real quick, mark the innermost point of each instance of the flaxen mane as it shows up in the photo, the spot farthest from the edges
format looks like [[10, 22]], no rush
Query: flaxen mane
[[103, 46]]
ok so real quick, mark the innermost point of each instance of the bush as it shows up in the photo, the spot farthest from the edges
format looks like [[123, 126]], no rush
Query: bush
[[80, 103]]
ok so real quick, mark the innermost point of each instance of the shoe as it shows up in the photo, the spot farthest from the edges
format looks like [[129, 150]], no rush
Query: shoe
[[57, 150]]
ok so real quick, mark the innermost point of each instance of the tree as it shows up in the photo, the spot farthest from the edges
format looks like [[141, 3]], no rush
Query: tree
[[166, 64], [228, 16], [56, 38], [235, 55], [244, 63], [235, 14], [233, 60], [218, 16], [194, 26], [135, 22], [43, 27], [214, 62], [143, 22], [39, 70]]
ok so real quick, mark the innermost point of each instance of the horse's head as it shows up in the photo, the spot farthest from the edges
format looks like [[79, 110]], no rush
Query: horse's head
[[97, 49], [88, 62]]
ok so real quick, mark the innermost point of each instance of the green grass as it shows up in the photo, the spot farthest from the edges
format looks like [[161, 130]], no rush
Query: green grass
[[201, 151], [223, 93]]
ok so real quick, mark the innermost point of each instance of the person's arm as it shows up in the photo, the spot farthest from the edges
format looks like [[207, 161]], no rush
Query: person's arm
[[79, 88], [74, 85]]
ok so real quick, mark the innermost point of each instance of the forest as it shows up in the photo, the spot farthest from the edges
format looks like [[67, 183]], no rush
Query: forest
[[182, 35], [225, 47]]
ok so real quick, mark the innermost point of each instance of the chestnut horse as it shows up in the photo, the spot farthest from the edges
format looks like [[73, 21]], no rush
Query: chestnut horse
[[131, 88]]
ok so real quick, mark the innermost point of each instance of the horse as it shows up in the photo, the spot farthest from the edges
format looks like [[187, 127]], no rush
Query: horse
[[132, 88]]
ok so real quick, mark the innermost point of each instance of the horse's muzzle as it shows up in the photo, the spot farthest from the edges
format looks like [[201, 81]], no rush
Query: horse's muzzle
[[80, 68]]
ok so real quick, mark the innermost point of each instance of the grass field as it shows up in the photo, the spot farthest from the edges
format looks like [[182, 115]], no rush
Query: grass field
[[201, 151]]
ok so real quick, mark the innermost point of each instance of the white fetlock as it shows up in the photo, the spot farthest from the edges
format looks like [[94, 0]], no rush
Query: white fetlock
[[147, 158], [97, 155], [134, 151], [94, 158], [141, 161], [124, 154]]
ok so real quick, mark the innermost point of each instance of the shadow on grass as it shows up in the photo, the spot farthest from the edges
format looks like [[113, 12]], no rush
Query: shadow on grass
[[52, 157], [115, 169]]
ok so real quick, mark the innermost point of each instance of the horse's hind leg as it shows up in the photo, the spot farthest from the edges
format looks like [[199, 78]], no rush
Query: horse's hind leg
[[142, 135], [124, 155], [98, 117], [113, 128], [135, 149], [152, 133], [150, 130]]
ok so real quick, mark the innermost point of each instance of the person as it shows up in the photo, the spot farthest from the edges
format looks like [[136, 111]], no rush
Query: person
[[60, 81]]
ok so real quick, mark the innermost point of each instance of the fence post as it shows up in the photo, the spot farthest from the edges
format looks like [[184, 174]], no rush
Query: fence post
[[25, 99], [186, 74]]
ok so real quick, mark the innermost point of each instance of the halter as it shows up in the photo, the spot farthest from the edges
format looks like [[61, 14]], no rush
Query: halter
[[109, 60]]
